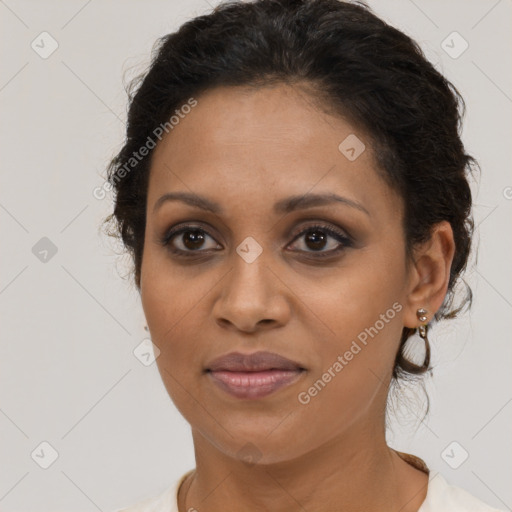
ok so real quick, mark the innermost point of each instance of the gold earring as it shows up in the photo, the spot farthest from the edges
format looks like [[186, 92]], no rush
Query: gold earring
[[421, 313]]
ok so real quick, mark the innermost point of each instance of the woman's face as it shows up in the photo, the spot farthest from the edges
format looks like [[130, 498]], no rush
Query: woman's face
[[252, 277]]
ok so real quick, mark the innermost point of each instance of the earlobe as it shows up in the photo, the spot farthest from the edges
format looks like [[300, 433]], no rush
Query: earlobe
[[430, 275]]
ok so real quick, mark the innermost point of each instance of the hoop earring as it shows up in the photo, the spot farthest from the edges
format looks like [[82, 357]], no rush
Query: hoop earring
[[421, 313]]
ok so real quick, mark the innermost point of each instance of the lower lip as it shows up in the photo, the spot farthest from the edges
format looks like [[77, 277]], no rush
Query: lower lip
[[253, 385]]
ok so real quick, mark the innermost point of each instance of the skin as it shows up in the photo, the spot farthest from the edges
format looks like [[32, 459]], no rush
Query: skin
[[247, 149]]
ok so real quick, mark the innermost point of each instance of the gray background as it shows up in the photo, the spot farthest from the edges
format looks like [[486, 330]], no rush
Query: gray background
[[68, 374]]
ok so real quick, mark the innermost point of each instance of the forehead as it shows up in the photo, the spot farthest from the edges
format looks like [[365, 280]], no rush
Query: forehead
[[230, 120], [241, 142]]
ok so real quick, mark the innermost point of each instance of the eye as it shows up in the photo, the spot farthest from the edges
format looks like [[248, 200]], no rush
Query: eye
[[188, 239], [315, 239]]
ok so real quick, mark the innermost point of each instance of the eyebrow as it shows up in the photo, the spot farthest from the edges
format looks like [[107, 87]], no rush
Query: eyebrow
[[283, 206]]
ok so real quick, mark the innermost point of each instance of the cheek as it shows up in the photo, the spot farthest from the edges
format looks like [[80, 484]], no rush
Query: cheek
[[167, 293], [175, 323], [358, 295], [171, 303], [175, 319], [363, 309]]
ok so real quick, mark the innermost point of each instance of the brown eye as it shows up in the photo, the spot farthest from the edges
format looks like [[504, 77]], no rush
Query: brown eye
[[323, 240], [188, 239], [193, 239], [316, 240]]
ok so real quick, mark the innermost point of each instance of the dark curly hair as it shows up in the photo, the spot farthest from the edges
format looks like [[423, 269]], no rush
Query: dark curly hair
[[353, 65]]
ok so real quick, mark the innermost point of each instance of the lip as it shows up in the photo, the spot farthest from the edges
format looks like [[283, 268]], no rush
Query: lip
[[255, 362], [254, 385], [253, 376]]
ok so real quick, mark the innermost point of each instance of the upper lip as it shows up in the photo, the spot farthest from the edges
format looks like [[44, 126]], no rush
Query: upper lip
[[258, 361]]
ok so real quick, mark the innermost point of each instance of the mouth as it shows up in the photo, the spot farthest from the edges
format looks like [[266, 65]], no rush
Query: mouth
[[253, 376]]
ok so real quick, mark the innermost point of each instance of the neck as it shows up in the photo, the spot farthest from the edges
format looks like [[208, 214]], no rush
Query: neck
[[353, 472]]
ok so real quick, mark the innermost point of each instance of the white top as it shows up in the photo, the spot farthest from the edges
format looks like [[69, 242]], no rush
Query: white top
[[441, 497]]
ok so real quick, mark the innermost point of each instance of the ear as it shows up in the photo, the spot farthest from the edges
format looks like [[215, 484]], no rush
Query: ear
[[429, 274]]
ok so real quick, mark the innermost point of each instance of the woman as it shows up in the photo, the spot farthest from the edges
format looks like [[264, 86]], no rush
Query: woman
[[293, 191]]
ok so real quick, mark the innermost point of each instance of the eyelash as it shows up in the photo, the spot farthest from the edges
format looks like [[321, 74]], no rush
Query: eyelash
[[344, 240]]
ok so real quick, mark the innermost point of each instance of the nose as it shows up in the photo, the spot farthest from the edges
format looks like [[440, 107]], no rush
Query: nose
[[252, 297]]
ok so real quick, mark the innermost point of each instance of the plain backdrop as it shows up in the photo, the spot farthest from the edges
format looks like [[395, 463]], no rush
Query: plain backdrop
[[70, 324]]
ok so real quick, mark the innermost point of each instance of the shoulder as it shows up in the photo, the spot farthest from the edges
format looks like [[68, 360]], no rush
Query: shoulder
[[166, 501], [444, 497]]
